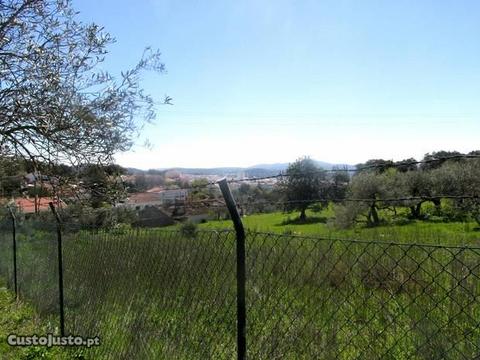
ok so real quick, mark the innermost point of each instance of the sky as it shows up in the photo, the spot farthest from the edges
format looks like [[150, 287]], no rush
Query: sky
[[266, 81]]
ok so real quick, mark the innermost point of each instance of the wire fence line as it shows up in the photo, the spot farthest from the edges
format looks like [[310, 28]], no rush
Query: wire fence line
[[152, 293], [216, 203]]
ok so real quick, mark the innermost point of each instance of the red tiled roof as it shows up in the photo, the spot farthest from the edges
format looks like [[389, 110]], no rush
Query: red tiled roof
[[28, 205]]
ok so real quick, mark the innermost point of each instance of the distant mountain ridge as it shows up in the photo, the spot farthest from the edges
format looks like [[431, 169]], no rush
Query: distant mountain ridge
[[284, 166], [259, 170]]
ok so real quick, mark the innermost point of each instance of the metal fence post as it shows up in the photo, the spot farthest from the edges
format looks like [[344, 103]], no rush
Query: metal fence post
[[14, 239], [241, 272], [60, 268]]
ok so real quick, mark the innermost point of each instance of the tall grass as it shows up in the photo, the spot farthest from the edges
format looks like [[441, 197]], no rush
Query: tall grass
[[171, 295]]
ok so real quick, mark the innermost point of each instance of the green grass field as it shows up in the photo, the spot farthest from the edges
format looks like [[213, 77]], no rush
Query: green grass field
[[451, 233], [312, 291]]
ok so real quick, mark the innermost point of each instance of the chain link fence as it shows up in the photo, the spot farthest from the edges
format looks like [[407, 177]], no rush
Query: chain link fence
[[37, 266], [153, 294], [312, 298], [150, 293]]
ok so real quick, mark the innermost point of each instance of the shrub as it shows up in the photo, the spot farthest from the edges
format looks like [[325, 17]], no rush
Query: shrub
[[77, 217], [189, 229], [346, 216]]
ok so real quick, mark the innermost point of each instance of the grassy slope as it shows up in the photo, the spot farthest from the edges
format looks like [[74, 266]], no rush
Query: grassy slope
[[20, 318]]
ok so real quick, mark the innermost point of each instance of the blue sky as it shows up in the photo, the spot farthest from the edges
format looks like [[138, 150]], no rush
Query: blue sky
[[260, 81]]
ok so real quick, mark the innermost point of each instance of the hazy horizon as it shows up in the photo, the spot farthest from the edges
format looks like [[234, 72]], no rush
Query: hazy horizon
[[290, 161], [225, 166]]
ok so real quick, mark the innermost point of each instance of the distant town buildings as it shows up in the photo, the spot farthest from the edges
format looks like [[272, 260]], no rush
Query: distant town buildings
[[157, 196]]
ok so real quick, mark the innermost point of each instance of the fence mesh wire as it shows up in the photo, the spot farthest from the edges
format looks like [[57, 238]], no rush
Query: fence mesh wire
[[337, 299], [37, 266], [152, 294]]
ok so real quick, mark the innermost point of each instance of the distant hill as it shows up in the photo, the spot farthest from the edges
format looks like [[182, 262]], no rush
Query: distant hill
[[210, 171], [259, 170], [284, 166]]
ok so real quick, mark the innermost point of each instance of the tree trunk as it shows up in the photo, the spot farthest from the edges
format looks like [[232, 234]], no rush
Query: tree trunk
[[415, 210], [303, 216]]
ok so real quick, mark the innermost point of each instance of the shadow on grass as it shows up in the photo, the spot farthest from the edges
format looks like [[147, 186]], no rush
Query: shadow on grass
[[308, 220]]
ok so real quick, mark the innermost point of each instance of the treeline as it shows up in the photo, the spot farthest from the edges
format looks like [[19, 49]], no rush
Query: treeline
[[443, 185], [447, 181]]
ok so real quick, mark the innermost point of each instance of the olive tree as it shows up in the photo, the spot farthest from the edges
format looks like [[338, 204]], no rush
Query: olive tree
[[56, 104], [302, 185], [418, 184], [366, 193], [462, 181]]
